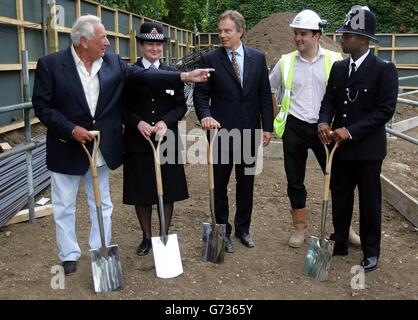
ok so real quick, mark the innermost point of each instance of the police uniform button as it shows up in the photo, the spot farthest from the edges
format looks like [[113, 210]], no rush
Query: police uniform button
[[346, 89], [152, 100], [94, 121], [345, 102], [344, 115], [152, 111], [365, 90], [152, 123]]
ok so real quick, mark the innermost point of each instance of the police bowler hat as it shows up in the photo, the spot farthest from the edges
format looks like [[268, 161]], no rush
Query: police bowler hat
[[151, 31], [360, 20]]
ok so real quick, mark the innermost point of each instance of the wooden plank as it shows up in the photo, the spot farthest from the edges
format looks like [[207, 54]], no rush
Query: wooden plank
[[23, 215], [15, 22], [405, 125], [16, 66], [400, 200], [16, 125], [4, 146]]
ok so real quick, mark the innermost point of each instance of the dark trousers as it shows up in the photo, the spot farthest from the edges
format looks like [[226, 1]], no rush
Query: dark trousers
[[345, 176], [298, 137], [244, 176]]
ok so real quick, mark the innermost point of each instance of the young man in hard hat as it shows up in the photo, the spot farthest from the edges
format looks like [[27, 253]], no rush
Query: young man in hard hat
[[301, 77], [360, 98]]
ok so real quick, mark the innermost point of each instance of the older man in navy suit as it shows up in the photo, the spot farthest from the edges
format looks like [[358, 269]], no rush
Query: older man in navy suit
[[237, 99], [77, 90], [360, 98]]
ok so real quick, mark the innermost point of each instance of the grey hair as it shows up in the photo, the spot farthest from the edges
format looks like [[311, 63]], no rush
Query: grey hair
[[84, 27], [235, 16]]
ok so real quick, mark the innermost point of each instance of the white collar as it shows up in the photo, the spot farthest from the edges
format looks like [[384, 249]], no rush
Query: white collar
[[320, 52], [77, 59], [360, 60], [239, 51], [147, 63]]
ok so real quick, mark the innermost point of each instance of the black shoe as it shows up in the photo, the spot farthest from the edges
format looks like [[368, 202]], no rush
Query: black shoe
[[340, 249], [246, 239], [70, 267], [229, 246], [370, 263], [144, 247]]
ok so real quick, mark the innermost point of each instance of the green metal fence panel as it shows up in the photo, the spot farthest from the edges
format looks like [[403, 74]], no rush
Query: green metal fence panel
[[8, 8], [385, 41], [32, 11], [10, 48], [111, 47], [108, 19], [410, 41], [69, 12], [123, 23], [136, 24], [88, 8], [408, 82], [9, 94], [34, 44], [64, 40], [406, 57], [386, 55], [124, 47]]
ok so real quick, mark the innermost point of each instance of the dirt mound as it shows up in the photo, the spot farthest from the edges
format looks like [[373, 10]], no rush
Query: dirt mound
[[273, 36]]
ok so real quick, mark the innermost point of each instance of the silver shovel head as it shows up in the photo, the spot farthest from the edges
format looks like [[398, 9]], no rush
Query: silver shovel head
[[167, 258], [213, 243], [107, 270], [318, 258]]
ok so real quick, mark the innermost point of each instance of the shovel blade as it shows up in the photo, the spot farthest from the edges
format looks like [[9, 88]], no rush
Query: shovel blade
[[213, 243], [318, 258], [167, 258], [107, 269]]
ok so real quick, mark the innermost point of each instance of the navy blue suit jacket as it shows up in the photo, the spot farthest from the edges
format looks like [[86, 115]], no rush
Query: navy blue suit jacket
[[362, 104], [233, 106], [60, 103]]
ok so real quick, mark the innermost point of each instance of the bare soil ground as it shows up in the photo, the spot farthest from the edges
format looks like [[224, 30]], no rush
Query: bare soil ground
[[270, 271]]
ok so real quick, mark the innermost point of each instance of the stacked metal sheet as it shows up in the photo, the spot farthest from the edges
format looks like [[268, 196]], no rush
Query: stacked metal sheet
[[13, 180]]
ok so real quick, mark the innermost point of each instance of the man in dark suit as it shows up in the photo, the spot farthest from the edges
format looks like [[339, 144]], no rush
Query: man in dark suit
[[150, 111], [237, 99], [77, 90], [360, 98]]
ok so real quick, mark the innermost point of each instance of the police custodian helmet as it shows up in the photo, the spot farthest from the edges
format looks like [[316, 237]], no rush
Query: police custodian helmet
[[152, 32], [360, 20]]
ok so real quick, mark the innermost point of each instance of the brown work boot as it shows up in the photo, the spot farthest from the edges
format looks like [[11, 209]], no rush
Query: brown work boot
[[354, 238], [300, 221]]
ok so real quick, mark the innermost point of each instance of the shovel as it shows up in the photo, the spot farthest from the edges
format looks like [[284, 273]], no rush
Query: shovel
[[166, 251], [318, 258], [213, 235], [105, 263]]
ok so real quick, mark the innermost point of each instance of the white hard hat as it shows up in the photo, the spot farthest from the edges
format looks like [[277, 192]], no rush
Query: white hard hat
[[308, 19]]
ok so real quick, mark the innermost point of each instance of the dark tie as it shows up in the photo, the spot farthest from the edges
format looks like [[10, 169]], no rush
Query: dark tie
[[235, 65], [152, 67], [353, 70]]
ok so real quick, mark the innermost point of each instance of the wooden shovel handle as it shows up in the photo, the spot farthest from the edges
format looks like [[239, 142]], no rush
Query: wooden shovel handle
[[156, 152], [210, 159], [328, 166], [93, 167]]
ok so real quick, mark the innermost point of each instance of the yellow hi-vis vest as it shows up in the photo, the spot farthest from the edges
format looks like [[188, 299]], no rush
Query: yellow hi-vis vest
[[287, 63]]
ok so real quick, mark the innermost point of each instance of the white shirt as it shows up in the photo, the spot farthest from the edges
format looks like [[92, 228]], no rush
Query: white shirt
[[308, 87], [91, 87], [358, 62], [240, 59], [147, 63]]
